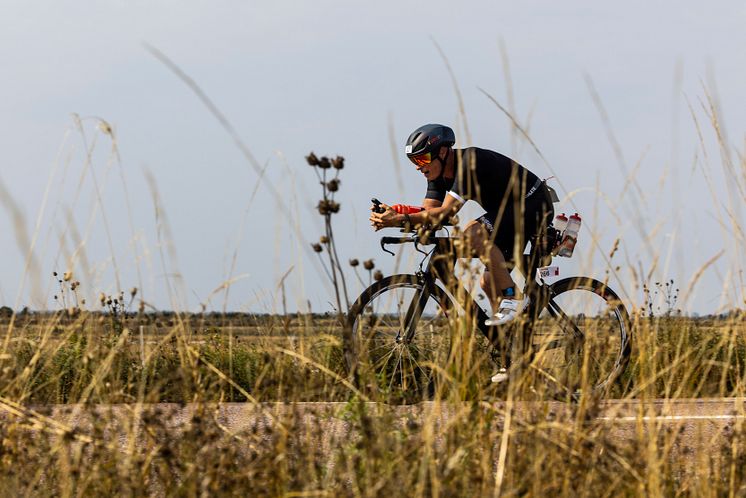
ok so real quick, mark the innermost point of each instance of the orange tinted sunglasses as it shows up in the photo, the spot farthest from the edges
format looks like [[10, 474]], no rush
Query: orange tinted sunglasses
[[422, 159]]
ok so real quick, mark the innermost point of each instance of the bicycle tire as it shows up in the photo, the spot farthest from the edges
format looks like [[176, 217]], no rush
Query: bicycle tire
[[401, 371], [585, 322]]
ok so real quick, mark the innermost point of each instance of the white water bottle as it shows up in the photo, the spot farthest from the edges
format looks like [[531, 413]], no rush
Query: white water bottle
[[570, 237], [560, 222]]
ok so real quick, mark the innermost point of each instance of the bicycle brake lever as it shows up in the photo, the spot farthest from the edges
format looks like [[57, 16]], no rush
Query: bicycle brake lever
[[383, 246]]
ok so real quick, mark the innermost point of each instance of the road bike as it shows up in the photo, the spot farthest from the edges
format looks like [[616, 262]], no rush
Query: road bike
[[411, 333]]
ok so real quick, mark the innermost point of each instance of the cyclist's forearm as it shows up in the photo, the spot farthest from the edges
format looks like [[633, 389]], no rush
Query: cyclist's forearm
[[428, 216]]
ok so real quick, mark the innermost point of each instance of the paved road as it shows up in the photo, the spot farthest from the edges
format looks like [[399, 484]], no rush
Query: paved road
[[701, 424]]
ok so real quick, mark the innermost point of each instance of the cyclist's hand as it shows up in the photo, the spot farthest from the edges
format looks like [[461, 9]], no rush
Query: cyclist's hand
[[386, 219]]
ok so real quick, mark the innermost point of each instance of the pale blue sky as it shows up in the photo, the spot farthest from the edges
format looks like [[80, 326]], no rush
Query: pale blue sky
[[332, 77]]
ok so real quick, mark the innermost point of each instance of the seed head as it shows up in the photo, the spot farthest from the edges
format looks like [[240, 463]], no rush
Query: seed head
[[324, 163], [333, 185], [368, 264], [324, 239], [67, 276], [105, 127], [377, 275], [133, 291], [317, 247], [312, 159], [354, 263], [338, 162]]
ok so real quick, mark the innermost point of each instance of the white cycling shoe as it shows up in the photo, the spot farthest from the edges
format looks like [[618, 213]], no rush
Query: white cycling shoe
[[506, 312], [500, 376]]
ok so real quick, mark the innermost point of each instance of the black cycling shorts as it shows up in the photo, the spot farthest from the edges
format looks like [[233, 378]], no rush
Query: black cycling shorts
[[510, 229]]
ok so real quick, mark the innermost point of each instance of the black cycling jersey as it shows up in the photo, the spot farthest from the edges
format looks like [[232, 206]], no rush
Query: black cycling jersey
[[517, 202], [484, 176]]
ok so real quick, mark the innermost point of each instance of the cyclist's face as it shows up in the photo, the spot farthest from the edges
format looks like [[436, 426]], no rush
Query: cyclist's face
[[431, 169]]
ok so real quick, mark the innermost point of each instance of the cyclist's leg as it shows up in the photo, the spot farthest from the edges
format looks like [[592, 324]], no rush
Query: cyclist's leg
[[480, 237]]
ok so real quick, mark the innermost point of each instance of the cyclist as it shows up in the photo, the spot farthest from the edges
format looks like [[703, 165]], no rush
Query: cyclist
[[518, 205]]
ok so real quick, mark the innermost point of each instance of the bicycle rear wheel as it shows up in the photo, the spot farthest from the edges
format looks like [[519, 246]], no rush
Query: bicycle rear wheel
[[581, 340], [400, 338]]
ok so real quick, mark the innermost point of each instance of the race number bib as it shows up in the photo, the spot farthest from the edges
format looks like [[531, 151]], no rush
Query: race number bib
[[548, 271]]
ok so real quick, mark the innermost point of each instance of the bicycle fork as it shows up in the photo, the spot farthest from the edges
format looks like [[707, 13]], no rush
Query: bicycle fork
[[414, 312]]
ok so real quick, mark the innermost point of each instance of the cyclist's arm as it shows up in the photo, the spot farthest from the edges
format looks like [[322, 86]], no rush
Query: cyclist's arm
[[431, 203], [435, 211]]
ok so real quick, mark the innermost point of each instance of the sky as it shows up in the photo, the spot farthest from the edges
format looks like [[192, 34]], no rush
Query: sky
[[160, 145]]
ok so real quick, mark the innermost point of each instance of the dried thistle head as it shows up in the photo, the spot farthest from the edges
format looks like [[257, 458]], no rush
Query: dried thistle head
[[377, 275], [368, 264], [354, 262], [338, 162], [324, 163], [312, 159], [333, 185], [317, 247]]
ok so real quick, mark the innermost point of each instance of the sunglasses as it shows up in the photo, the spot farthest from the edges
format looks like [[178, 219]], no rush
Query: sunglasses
[[422, 159]]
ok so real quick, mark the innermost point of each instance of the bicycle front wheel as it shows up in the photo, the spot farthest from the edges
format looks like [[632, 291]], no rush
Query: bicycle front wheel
[[581, 340], [400, 337]]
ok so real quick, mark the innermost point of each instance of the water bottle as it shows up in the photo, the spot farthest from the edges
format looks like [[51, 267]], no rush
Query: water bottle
[[404, 209], [570, 237], [560, 222]]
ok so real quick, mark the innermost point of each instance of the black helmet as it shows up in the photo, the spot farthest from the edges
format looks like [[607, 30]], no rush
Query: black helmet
[[429, 138]]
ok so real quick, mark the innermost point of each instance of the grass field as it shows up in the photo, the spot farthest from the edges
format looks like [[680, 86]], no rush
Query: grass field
[[96, 359], [166, 357]]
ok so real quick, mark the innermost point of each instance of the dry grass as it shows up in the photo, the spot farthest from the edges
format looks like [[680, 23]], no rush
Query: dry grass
[[357, 449]]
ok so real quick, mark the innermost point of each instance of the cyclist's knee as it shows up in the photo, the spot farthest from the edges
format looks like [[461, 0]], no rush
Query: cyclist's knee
[[477, 239]]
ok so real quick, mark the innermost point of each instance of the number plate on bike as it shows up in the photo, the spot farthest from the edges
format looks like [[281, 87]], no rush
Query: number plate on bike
[[548, 271]]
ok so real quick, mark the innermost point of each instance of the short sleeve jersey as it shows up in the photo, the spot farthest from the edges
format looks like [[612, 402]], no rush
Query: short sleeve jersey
[[485, 177]]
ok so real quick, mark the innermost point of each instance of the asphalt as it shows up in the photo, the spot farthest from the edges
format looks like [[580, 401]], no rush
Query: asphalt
[[699, 425]]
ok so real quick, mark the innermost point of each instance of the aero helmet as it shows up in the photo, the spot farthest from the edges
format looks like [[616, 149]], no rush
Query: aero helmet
[[429, 138]]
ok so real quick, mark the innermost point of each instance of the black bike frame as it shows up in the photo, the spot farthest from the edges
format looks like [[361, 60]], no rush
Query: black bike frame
[[440, 266]]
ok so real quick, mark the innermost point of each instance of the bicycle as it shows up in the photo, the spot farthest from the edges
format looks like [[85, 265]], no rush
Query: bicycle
[[574, 333]]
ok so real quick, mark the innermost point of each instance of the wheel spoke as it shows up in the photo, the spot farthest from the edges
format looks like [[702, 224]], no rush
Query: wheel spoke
[[587, 334], [402, 370]]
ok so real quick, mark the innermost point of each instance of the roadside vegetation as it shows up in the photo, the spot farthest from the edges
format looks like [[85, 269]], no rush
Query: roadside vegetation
[[470, 438]]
